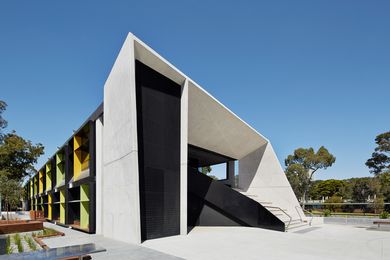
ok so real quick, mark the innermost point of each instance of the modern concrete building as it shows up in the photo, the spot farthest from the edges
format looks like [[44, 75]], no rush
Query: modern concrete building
[[131, 172]]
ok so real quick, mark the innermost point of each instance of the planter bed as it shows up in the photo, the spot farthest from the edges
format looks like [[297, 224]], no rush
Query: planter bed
[[16, 226]]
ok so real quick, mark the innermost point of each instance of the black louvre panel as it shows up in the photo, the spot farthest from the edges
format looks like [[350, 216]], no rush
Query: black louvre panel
[[158, 125]]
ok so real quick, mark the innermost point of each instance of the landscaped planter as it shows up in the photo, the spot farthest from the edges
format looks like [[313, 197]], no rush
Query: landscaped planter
[[16, 226], [37, 215]]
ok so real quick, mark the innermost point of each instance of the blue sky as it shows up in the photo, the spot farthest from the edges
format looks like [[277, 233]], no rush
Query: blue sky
[[303, 73]]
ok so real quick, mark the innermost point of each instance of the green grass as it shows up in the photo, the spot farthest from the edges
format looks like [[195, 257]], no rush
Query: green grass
[[30, 242], [45, 232], [18, 242], [8, 248]]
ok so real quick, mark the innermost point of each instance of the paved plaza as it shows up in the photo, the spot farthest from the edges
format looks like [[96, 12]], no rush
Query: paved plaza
[[324, 241], [321, 241]]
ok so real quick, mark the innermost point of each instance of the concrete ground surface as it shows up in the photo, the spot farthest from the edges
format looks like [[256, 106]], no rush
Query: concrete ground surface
[[326, 241], [115, 249], [321, 241]]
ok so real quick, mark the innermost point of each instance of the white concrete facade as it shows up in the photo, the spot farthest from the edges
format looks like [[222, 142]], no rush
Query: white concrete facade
[[205, 123], [121, 210]]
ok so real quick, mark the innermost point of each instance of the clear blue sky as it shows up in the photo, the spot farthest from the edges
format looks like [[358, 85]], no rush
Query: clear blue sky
[[304, 73]]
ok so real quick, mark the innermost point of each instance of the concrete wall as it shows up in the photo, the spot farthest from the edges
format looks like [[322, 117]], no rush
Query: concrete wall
[[120, 198], [183, 159], [350, 220], [205, 122], [261, 174], [99, 173]]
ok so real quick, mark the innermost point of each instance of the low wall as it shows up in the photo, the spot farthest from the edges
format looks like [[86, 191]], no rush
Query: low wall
[[350, 220], [15, 226]]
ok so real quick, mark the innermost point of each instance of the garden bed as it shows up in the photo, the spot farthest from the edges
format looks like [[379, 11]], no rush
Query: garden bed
[[47, 232], [17, 226]]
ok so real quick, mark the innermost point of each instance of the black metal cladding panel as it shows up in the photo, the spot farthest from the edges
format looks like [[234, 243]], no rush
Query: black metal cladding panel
[[158, 124], [231, 203]]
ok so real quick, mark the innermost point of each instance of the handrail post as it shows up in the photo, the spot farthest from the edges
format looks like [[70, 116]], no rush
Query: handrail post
[[289, 222]]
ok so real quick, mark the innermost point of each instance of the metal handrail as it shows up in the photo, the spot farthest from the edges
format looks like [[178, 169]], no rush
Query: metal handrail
[[289, 222], [306, 211], [299, 214]]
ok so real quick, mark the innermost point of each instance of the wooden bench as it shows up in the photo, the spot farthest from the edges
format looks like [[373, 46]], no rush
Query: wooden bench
[[381, 222]]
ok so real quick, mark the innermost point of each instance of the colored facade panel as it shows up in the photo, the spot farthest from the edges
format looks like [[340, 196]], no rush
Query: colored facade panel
[[48, 176], [35, 180], [50, 207], [81, 153], [84, 206], [60, 168], [41, 181], [77, 156], [31, 184], [62, 206]]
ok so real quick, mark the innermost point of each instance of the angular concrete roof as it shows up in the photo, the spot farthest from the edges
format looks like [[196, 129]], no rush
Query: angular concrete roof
[[211, 125]]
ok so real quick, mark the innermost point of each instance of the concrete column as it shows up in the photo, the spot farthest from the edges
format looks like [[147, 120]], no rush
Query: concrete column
[[121, 205], [183, 158], [99, 172], [230, 173]]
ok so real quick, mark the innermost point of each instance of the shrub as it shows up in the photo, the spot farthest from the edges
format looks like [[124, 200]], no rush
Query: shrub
[[46, 232], [30, 242], [378, 205], [332, 206], [18, 242], [8, 248], [384, 215], [327, 213]]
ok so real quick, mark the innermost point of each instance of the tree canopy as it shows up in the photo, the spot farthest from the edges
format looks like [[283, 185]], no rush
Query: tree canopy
[[3, 122], [301, 166], [380, 159], [17, 155], [311, 160], [328, 188]]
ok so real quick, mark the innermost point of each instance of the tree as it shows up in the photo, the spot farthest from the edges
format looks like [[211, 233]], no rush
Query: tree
[[305, 162], [3, 122], [328, 188], [380, 159], [297, 176], [378, 205], [11, 192], [364, 187], [206, 169], [384, 180], [334, 203], [17, 157]]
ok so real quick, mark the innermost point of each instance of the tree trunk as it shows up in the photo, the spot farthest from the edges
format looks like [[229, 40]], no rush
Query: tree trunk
[[7, 206], [310, 172], [304, 198]]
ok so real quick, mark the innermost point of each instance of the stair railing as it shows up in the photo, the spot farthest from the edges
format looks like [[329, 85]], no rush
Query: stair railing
[[290, 218], [305, 211]]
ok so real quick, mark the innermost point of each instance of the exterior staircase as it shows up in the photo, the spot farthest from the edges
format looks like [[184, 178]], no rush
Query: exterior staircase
[[282, 214]]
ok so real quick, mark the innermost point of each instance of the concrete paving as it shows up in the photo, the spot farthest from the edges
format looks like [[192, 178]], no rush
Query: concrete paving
[[115, 249], [324, 241]]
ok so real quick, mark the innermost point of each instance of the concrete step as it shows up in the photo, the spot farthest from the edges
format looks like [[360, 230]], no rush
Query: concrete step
[[294, 221], [264, 203], [271, 209], [297, 226], [253, 196]]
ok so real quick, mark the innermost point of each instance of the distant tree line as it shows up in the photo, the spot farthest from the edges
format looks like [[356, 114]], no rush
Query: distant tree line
[[353, 189], [304, 162]]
